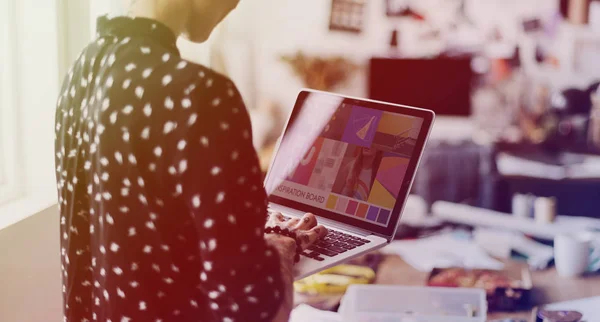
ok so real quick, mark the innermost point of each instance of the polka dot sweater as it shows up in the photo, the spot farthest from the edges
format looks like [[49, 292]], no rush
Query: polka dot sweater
[[162, 208]]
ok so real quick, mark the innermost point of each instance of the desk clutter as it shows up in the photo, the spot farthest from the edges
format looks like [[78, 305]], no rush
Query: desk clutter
[[471, 269], [325, 289], [571, 243], [504, 290], [335, 280], [418, 304], [378, 303]]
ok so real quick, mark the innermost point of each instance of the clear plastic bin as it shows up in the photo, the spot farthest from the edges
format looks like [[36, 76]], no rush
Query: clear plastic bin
[[380, 303]]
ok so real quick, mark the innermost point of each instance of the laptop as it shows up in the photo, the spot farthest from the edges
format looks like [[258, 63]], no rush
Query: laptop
[[351, 162]]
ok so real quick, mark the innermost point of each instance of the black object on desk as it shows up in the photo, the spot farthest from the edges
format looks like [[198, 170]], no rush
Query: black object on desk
[[576, 197], [467, 173], [462, 172]]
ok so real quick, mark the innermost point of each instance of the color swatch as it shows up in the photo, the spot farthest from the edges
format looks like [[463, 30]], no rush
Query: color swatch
[[332, 202], [357, 209], [372, 213], [362, 210], [342, 204], [383, 217], [352, 205]]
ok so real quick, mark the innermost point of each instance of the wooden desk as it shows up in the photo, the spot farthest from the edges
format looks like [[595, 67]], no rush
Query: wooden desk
[[548, 286]]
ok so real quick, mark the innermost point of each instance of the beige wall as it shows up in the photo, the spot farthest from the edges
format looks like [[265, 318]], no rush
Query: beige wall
[[30, 285]]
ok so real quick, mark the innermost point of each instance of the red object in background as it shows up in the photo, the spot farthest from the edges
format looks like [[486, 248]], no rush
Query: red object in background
[[553, 61], [500, 70], [408, 12]]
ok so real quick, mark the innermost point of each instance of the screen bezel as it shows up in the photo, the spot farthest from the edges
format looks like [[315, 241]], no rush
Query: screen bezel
[[427, 116]]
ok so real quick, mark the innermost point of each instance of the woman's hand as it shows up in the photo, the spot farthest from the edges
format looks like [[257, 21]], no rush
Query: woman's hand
[[308, 232], [306, 228]]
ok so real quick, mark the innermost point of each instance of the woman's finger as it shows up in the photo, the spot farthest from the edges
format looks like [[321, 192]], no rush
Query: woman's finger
[[292, 222], [321, 231], [307, 222], [275, 219], [309, 237], [279, 217]]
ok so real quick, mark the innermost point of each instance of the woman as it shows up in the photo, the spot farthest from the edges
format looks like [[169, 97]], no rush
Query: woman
[[161, 199], [361, 173]]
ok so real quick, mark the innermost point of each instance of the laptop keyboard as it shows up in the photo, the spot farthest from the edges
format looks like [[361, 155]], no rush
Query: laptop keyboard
[[333, 244]]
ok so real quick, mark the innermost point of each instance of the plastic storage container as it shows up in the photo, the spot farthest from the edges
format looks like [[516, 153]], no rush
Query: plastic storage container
[[379, 303]]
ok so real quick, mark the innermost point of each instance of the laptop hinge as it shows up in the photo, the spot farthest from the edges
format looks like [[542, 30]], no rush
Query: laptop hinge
[[322, 220]]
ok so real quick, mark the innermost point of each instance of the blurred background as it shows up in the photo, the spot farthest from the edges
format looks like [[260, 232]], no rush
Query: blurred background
[[514, 84]]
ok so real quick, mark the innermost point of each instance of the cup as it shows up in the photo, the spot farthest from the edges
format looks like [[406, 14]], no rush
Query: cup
[[571, 254], [522, 206], [594, 126], [544, 210]]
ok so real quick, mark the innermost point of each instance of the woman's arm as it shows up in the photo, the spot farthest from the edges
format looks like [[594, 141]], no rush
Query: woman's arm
[[214, 168], [308, 232], [233, 203], [210, 174], [286, 248], [245, 274]]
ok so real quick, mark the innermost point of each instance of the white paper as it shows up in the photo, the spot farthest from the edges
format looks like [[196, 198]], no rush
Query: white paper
[[590, 308], [306, 313], [479, 217], [595, 16], [510, 165], [443, 251], [574, 166], [500, 243]]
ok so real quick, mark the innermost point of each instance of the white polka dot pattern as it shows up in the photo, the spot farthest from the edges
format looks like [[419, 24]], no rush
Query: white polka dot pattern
[[154, 171]]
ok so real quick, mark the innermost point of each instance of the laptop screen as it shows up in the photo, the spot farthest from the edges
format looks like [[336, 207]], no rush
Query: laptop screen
[[349, 160]]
